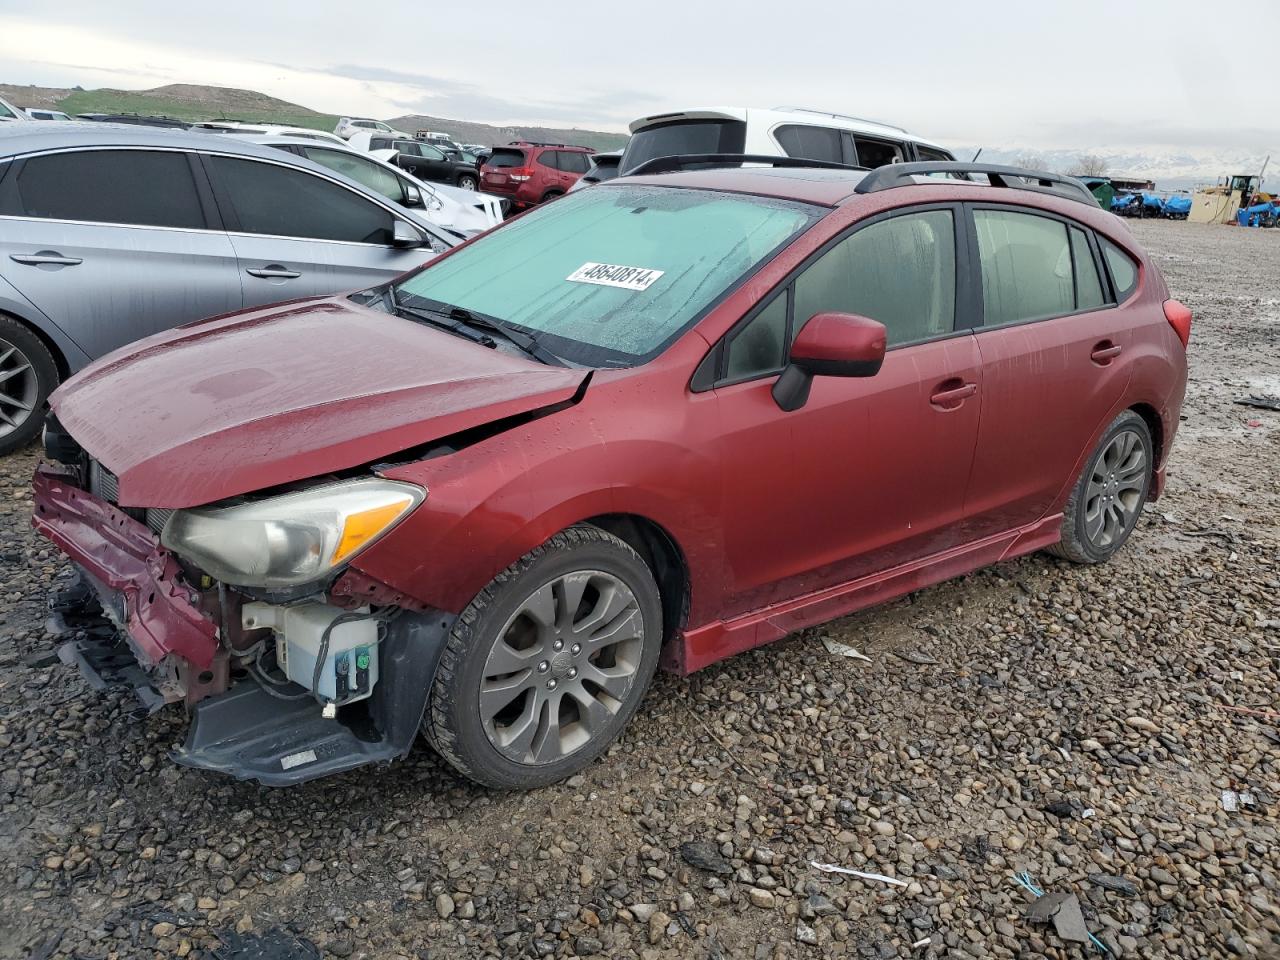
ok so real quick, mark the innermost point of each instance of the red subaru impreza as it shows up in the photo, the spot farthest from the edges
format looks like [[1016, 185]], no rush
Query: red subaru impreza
[[666, 419]]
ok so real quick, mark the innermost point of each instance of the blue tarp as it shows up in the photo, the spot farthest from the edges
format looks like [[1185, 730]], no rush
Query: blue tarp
[[1122, 200], [1177, 206], [1251, 216], [1152, 202]]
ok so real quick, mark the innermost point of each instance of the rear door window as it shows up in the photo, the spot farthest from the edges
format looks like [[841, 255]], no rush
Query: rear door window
[[876, 153], [1088, 284], [1026, 267], [360, 169], [505, 157], [550, 159], [811, 143], [684, 137], [278, 201], [574, 162], [136, 187], [900, 271]]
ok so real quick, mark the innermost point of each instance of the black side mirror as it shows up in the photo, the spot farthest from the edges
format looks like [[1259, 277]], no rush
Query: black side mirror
[[830, 345]]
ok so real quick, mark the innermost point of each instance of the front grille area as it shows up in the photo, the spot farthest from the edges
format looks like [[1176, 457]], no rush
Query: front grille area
[[104, 485], [157, 517]]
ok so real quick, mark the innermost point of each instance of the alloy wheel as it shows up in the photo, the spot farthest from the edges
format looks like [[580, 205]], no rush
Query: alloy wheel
[[18, 388], [562, 667], [1114, 493]]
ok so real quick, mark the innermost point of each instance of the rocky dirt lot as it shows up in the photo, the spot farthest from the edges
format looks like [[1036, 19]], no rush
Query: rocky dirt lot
[[1079, 724]]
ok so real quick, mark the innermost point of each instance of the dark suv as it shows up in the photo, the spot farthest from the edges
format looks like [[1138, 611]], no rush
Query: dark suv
[[530, 172], [427, 161]]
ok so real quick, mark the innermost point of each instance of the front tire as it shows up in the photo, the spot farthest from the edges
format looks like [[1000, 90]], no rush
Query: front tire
[[548, 663], [28, 375], [1109, 495]]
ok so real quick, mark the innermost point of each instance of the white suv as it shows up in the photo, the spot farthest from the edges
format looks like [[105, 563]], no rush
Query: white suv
[[351, 125], [780, 132]]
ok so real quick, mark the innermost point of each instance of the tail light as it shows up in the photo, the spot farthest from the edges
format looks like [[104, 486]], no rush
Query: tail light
[[520, 174], [1179, 317]]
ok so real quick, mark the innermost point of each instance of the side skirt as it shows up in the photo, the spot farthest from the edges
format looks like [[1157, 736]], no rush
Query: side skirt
[[705, 645]]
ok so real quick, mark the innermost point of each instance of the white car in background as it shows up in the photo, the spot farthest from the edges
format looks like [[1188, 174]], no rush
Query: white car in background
[[271, 130], [40, 113], [780, 132], [461, 212], [9, 112], [351, 125]]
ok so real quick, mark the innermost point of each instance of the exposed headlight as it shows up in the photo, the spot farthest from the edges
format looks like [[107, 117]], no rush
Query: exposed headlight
[[292, 539]]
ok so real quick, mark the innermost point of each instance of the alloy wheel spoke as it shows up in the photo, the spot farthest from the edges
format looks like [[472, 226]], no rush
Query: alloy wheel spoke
[[518, 736], [7, 354], [592, 713], [545, 745], [626, 626], [612, 680], [503, 660], [569, 590], [1094, 519], [14, 371], [541, 607], [497, 694], [14, 402], [612, 600]]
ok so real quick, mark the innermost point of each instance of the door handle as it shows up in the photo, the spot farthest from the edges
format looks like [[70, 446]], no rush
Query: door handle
[[1104, 351], [950, 394], [275, 270], [43, 257]]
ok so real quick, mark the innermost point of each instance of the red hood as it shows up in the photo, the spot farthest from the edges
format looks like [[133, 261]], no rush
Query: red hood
[[251, 400]]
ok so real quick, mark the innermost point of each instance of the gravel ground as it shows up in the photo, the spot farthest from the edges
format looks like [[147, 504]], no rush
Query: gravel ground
[[1080, 724]]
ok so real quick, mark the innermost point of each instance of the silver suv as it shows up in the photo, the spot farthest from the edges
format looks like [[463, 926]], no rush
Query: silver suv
[[110, 233]]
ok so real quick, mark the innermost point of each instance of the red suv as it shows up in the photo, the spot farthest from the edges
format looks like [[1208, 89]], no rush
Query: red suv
[[664, 420], [529, 173]]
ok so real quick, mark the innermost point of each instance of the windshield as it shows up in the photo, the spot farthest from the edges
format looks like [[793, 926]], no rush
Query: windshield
[[610, 276], [682, 137]]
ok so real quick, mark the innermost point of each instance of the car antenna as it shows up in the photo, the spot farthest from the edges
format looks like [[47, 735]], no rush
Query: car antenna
[[976, 155]]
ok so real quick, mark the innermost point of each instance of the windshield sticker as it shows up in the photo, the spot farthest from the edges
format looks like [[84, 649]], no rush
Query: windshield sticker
[[612, 275]]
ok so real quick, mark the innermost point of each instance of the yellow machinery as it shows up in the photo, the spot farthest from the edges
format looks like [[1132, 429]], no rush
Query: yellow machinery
[[1221, 202]]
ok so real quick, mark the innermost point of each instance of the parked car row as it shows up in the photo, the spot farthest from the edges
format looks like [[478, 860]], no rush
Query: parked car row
[[113, 233]]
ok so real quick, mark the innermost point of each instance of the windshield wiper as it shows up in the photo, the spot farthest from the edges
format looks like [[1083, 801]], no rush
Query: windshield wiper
[[437, 319], [463, 318]]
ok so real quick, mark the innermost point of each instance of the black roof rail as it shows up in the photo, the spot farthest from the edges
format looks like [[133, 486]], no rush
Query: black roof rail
[[1014, 178], [544, 143], [684, 161]]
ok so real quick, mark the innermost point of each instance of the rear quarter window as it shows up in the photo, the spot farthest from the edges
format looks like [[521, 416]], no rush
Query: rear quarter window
[[1123, 269], [811, 143]]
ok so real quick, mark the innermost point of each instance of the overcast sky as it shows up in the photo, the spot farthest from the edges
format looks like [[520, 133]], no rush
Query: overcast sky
[[1173, 75]]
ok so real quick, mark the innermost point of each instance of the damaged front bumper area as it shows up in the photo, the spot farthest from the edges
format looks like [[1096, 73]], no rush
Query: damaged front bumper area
[[184, 638]]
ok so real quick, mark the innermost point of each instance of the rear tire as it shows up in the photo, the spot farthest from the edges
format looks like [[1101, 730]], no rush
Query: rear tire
[[28, 374], [1109, 495], [467, 182], [545, 667]]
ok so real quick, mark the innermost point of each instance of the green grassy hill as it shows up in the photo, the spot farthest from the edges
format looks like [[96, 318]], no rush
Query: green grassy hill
[[187, 101]]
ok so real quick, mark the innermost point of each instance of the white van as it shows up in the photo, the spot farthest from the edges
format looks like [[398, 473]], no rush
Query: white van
[[780, 132]]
